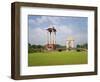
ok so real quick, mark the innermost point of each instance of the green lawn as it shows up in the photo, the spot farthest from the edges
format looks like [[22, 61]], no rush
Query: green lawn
[[57, 58]]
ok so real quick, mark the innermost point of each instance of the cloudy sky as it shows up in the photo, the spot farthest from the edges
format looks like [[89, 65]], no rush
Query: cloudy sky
[[75, 27]]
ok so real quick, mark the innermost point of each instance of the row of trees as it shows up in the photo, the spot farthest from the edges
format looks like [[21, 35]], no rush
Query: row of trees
[[40, 48], [82, 46], [35, 48], [57, 46]]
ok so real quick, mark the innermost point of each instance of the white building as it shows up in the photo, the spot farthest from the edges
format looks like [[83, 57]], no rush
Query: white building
[[69, 43]]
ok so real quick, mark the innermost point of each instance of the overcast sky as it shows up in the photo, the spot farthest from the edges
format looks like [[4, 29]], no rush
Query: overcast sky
[[75, 27]]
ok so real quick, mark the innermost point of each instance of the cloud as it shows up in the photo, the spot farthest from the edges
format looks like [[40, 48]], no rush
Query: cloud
[[65, 26], [37, 36], [50, 20]]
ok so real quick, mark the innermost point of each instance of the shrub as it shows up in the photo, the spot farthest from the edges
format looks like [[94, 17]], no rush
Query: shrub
[[78, 50], [59, 50]]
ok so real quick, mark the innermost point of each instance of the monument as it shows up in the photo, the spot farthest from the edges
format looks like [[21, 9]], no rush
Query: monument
[[69, 43], [51, 38]]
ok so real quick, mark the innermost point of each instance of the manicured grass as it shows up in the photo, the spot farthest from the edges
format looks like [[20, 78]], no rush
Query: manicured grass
[[57, 58]]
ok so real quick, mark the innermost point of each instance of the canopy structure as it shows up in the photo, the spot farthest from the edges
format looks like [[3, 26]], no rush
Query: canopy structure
[[51, 38]]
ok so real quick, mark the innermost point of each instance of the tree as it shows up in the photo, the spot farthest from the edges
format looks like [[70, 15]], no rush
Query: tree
[[82, 45], [60, 46], [85, 45], [78, 46], [39, 46], [29, 45], [34, 46]]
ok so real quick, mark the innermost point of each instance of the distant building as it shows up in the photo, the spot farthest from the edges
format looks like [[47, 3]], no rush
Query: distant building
[[69, 43]]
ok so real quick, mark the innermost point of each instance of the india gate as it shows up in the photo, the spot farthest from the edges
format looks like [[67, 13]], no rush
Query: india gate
[[51, 38], [70, 43]]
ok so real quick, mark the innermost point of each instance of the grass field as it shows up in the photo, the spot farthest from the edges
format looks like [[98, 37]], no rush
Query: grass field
[[57, 58]]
